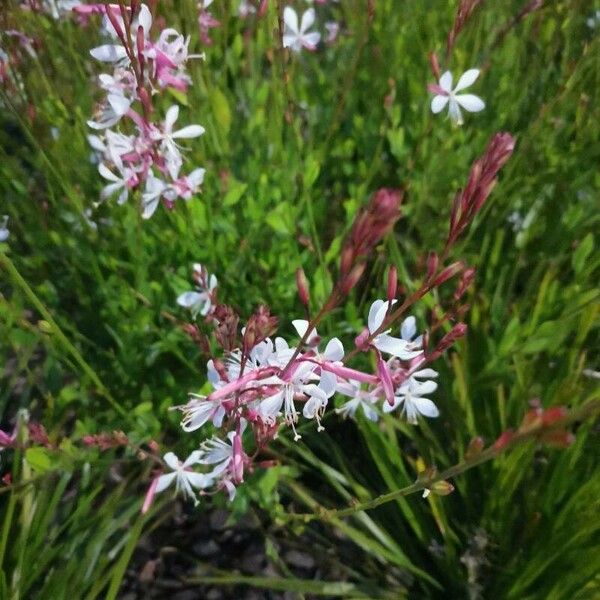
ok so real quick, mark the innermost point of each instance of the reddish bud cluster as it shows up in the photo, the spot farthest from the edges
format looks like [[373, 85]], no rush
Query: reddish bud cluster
[[463, 14], [38, 435], [105, 440], [458, 331], [260, 326], [370, 227], [482, 180], [226, 328]]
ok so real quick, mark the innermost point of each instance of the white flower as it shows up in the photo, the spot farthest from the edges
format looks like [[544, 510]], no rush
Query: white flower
[[296, 38], [334, 351], [117, 183], [447, 95], [410, 395], [185, 479], [360, 398], [199, 411], [200, 300], [168, 137], [403, 348], [4, 232], [111, 112]]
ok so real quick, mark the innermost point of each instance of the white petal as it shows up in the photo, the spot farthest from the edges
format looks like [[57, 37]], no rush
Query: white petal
[[164, 481], [334, 350], [454, 112], [387, 407], [119, 103], [370, 412], [468, 78], [290, 40], [170, 118], [308, 18], [311, 40], [290, 18], [408, 329], [390, 345], [376, 315], [470, 102], [270, 407], [107, 173], [424, 388], [198, 480], [188, 299], [446, 81], [108, 53], [300, 325], [311, 407], [195, 178], [438, 103], [150, 207], [425, 373], [110, 189], [145, 19], [171, 459], [328, 383], [193, 458], [426, 407], [191, 131]]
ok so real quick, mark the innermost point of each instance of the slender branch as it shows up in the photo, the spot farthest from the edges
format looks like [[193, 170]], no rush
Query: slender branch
[[587, 410]]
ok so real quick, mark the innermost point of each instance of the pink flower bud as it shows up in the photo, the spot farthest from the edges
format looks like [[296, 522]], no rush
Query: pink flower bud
[[361, 340], [504, 439], [352, 278], [432, 265], [449, 272], [302, 285], [474, 448]]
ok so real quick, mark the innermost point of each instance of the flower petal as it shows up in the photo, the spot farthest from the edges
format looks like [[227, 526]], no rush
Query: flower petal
[[468, 78], [170, 118], [164, 481], [470, 102], [426, 407], [189, 299], [308, 19], [446, 81], [408, 329], [438, 103], [290, 18], [334, 350], [171, 459], [191, 131]]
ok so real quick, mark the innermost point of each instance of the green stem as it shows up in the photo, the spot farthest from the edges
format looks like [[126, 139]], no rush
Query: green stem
[[17, 278], [589, 409]]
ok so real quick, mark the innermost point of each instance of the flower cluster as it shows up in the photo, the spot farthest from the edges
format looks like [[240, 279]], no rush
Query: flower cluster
[[297, 34], [147, 156]]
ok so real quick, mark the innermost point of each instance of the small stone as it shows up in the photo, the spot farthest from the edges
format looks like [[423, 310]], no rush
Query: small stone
[[301, 560]]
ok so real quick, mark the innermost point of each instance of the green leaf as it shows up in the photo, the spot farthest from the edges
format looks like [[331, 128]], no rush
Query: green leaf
[[39, 459]]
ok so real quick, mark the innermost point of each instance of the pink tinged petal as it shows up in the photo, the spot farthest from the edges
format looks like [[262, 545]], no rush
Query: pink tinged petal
[[290, 18], [164, 481], [408, 329], [191, 131], [446, 82], [426, 407], [308, 19], [310, 40], [109, 53], [170, 118], [386, 380], [438, 103], [150, 496], [334, 350], [470, 102], [291, 41], [219, 416], [238, 459], [468, 78]]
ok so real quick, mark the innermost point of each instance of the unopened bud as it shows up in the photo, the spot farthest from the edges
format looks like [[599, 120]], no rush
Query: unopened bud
[[474, 448], [302, 285], [353, 278], [432, 265], [361, 340], [441, 488], [554, 415], [559, 438], [392, 283], [504, 439], [434, 64], [449, 272], [346, 260]]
